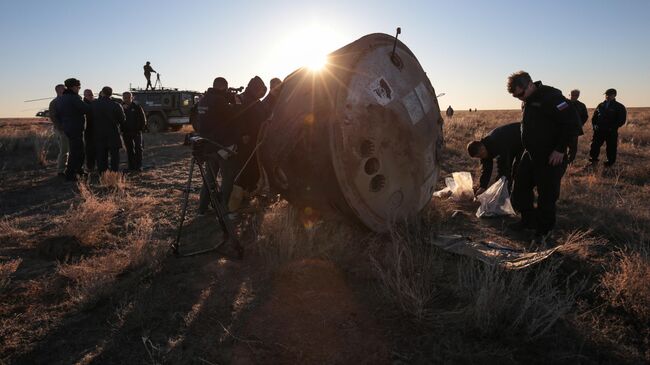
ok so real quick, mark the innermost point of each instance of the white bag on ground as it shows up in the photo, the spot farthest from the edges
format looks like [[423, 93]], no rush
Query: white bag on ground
[[495, 201], [461, 186]]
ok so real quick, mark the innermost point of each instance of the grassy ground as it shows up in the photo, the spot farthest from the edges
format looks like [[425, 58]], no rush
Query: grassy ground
[[86, 276]]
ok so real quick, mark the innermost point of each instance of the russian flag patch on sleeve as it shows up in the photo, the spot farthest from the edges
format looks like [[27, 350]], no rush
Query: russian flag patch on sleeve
[[563, 105]]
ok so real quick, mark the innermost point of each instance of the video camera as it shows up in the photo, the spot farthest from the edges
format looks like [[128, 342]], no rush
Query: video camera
[[202, 147], [233, 94]]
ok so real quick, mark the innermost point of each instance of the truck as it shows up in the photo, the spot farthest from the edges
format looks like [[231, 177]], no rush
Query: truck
[[166, 108]]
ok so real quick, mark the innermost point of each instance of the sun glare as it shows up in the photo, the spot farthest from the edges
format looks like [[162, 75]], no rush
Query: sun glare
[[317, 62], [307, 46]]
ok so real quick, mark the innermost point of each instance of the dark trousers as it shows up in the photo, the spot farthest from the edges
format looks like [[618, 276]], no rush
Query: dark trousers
[[600, 137], [76, 156], [148, 77], [89, 141], [103, 152], [133, 144], [547, 179]]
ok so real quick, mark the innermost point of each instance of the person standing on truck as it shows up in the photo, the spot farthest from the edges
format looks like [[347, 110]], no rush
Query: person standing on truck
[[147, 74], [132, 132]]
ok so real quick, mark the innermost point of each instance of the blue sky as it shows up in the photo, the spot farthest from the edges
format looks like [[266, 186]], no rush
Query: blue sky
[[467, 48]]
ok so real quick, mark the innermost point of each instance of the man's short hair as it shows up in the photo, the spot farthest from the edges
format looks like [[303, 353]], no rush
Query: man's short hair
[[107, 91], [127, 93], [220, 83], [474, 148], [575, 91], [59, 88], [71, 82], [518, 79]]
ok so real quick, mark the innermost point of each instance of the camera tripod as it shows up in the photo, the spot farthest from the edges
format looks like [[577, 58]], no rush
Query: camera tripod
[[158, 82], [214, 191]]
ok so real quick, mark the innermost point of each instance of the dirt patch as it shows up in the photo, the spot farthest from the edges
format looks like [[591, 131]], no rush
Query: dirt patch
[[312, 317]]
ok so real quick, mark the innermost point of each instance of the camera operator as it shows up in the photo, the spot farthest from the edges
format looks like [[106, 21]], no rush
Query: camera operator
[[214, 122]]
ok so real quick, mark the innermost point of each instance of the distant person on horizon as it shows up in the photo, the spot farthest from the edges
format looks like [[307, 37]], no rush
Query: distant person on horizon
[[132, 132], [71, 111], [546, 129], [147, 74], [108, 118], [62, 140], [581, 109], [89, 139], [450, 112], [502, 143], [608, 117]]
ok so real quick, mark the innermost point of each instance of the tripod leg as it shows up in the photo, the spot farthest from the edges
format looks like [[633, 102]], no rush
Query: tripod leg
[[186, 197], [224, 222]]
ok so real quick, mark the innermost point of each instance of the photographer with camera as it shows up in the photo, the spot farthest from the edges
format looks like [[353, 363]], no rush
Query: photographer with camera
[[215, 123]]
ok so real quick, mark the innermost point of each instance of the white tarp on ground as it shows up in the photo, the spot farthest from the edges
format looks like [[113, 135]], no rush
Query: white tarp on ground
[[492, 253]]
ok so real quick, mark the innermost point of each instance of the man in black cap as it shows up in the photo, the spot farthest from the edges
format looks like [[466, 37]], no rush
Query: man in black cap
[[71, 111], [547, 127], [108, 118], [147, 74], [135, 122], [88, 132], [608, 117], [502, 143], [583, 115]]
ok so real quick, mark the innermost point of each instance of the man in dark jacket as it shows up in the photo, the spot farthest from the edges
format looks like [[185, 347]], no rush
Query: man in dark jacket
[[132, 131], [608, 117], [214, 121], [502, 143], [147, 74], [547, 126], [88, 132], [583, 115], [71, 111], [62, 140], [249, 118], [108, 117]]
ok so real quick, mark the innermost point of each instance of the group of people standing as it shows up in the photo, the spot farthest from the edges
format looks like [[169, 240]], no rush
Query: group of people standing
[[533, 154], [93, 130], [234, 122]]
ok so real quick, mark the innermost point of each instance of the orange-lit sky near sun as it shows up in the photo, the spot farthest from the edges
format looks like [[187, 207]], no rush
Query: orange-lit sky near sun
[[467, 48]]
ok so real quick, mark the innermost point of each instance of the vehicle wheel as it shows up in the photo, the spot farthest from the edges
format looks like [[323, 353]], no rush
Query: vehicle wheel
[[176, 127], [156, 123]]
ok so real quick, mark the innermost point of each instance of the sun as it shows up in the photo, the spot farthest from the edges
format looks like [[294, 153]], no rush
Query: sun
[[316, 62], [306, 46]]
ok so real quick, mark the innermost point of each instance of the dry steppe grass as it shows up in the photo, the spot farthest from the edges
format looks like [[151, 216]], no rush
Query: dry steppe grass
[[587, 304]]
